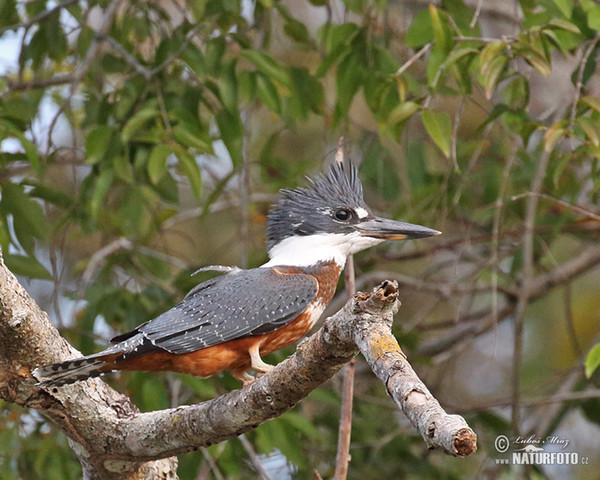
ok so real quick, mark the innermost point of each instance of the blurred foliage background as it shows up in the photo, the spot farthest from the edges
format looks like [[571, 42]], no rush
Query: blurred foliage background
[[142, 140]]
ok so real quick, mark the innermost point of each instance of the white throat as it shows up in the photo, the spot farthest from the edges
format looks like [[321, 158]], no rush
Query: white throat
[[304, 251]]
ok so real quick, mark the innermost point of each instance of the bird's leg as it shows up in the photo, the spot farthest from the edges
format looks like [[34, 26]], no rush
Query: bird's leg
[[257, 362]]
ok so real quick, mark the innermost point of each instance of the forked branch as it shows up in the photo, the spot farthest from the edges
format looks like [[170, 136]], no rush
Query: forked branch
[[114, 440]]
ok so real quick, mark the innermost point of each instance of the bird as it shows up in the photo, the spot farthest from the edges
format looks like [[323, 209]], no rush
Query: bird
[[228, 323]]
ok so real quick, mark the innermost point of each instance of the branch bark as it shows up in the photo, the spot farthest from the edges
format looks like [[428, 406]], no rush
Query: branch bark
[[113, 439]]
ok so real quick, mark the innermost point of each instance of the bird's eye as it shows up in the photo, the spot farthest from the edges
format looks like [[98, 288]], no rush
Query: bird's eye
[[342, 214]]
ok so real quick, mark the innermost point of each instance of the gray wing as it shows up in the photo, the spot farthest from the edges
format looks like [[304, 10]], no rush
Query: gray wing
[[236, 305]]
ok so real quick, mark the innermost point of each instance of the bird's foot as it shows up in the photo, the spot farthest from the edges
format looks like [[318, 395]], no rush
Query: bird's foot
[[244, 377]]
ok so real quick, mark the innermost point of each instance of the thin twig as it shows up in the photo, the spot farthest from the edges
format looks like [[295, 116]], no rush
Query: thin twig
[[212, 464], [127, 56], [343, 454], [546, 415], [345, 431], [455, 126], [256, 463], [570, 321], [413, 59], [40, 83], [530, 402], [579, 83], [527, 278], [498, 207], [583, 211], [476, 15], [483, 238], [504, 38]]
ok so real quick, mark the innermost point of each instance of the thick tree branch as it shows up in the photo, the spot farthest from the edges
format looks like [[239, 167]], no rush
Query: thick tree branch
[[87, 412], [114, 440]]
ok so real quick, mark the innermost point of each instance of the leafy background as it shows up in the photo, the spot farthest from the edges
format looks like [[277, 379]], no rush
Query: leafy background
[[142, 140]]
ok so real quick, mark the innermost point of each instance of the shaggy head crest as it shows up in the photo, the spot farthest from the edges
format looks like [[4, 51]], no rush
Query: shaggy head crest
[[310, 210]]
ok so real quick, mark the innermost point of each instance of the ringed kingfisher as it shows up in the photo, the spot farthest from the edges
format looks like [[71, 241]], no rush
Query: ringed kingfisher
[[229, 322]]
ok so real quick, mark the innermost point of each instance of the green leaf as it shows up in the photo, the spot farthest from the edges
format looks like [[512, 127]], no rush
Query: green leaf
[[157, 164], [191, 170], [348, 81], [232, 134], [50, 194], [194, 58], [553, 135], [31, 151], [592, 102], [490, 52], [102, 184], [441, 29], [420, 31], [565, 6], [439, 128], [26, 266], [402, 112], [26, 212], [122, 168], [296, 30], [228, 88], [268, 66], [516, 93], [373, 88], [537, 61], [137, 121], [191, 137], [592, 9], [492, 62], [592, 360], [215, 49], [435, 66], [130, 215], [4, 235], [167, 188], [306, 94], [564, 25], [267, 93], [338, 40], [20, 110], [97, 144], [8, 13], [457, 54], [591, 129]]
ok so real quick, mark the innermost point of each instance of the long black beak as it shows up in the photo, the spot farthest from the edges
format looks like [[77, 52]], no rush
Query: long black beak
[[393, 230]]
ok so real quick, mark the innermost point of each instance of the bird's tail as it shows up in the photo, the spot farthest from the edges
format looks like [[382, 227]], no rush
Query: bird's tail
[[71, 371]]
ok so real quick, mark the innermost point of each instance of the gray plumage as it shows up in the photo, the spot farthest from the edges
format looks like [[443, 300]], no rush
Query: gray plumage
[[231, 307], [224, 308]]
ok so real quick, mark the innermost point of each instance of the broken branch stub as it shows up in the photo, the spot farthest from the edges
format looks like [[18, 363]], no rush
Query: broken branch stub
[[380, 348]]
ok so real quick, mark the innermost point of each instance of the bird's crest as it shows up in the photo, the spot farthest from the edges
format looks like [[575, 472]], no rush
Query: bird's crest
[[298, 210]]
